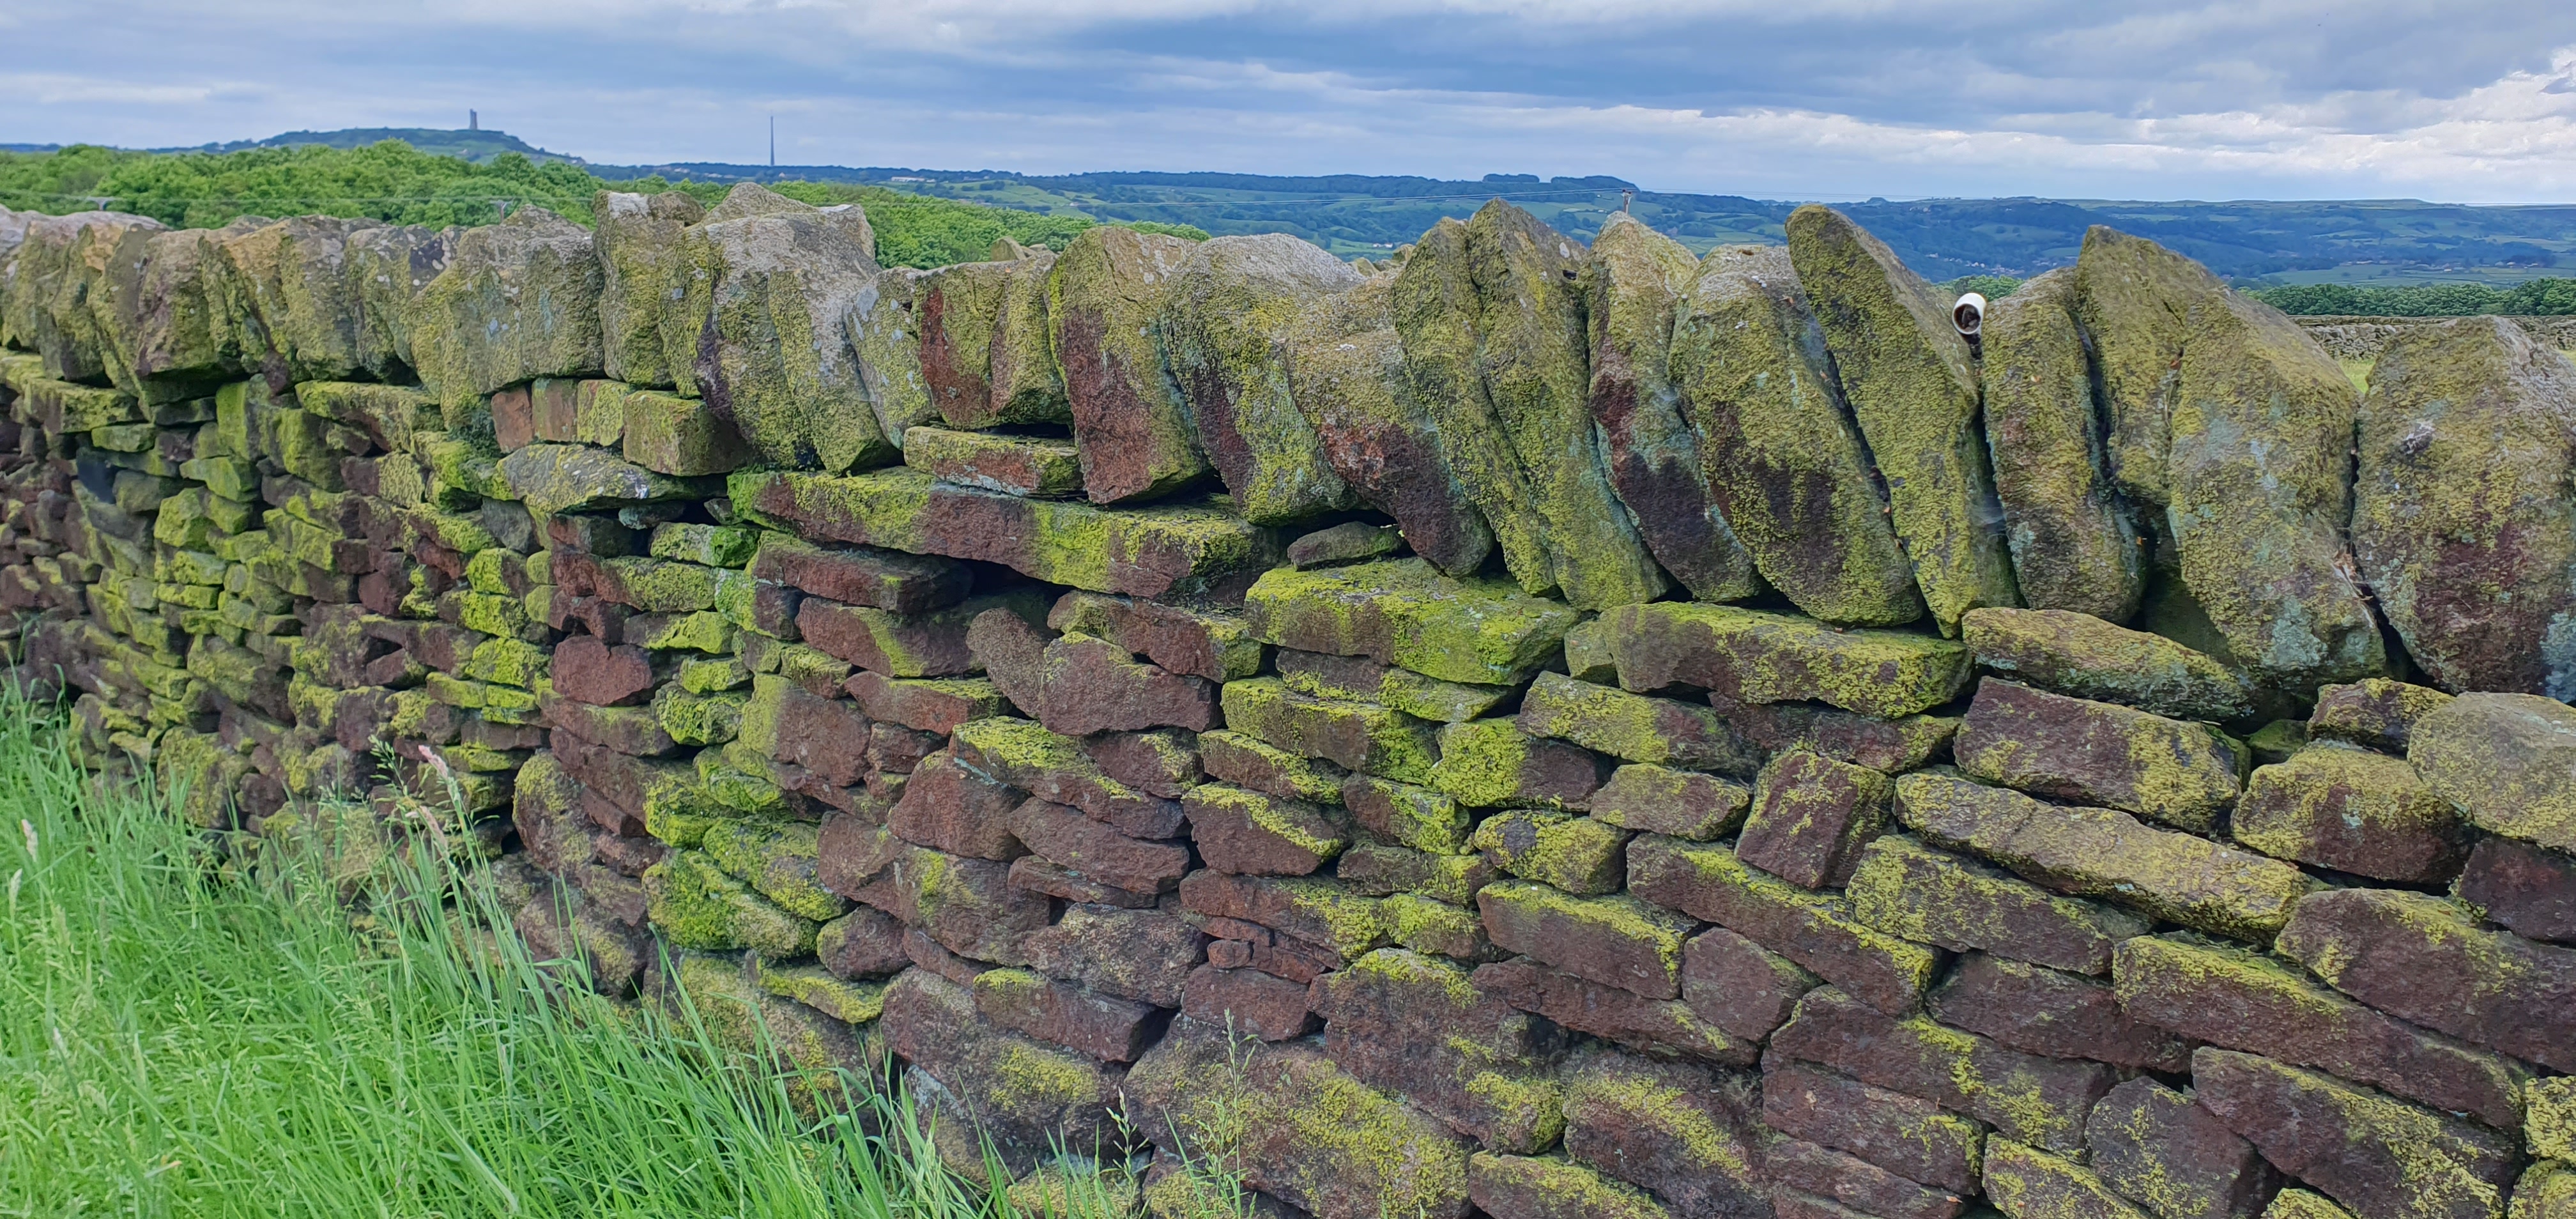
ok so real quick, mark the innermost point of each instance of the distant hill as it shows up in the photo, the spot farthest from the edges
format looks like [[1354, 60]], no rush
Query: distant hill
[[2388, 242], [474, 145]]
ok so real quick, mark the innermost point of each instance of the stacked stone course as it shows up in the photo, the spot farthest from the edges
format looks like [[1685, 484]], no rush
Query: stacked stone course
[[1528, 729]]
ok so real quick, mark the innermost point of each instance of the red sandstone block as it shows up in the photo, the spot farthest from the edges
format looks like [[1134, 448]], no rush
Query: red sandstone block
[[1036, 874], [1811, 816], [1109, 1029], [1906, 1135], [826, 736], [1248, 1002], [1740, 986], [1612, 1014], [950, 807]]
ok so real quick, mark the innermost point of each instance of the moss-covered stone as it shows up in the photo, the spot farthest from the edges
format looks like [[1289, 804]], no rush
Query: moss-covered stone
[[1494, 764], [1491, 316], [2549, 1120], [2037, 1100], [2074, 546], [519, 300], [1634, 727], [1134, 431], [1014, 465], [1404, 612], [1418, 817], [1756, 657], [1635, 278], [2504, 761], [1691, 1134], [676, 436], [2352, 811], [885, 332], [2182, 774], [559, 478], [638, 239], [2028, 1183], [1416, 1024], [1232, 305], [1575, 854], [2094, 852], [2460, 519], [695, 905], [2546, 1191], [1815, 930], [1914, 393], [1906, 889], [2377, 1156], [2240, 427], [1359, 736], [2082, 655]]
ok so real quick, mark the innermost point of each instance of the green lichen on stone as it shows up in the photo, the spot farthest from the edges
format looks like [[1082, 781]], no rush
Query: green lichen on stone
[[2296, 1203], [638, 238], [694, 904], [2029, 1183], [1284, 823], [705, 631], [1618, 918], [1633, 727], [1133, 428], [1576, 854], [1418, 817], [714, 674], [779, 860], [1577, 1189], [1226, 326], [508, 662], [2084, 656], [699, 719], [729, 785], [1488, 764], [1616, 1094], [2074, 545], [1427, 924], [2350, 810], [1361, 736], [2502, 760], [1906, 889], [1404, 612], [559, 478], [705, 545], [1759, 657], [1016, 465], [850, 1002], [1298, 774], [2549, 1118]]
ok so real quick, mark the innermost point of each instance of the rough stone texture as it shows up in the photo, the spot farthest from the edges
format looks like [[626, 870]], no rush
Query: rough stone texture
[[1740, 986], [1145, 955], [1633, 727], [2421, 959], [2043, 1101], [1418, 1026], [1229, 308], [2546, 1191], [1905, 1135], [1814, 930], [1308, 1133], [2196, 382], [2038, 1010], [519, 300], [1013, 465], [2380, 1158], [1524, 1187], [1785, 465], [2184, 775], [2529, 890], [2460, 518], [1403, 612], [1914, 393], [1024, 1094], [1892, 746], [1614, 1014], [1755, 657], [1493, 764], [1811, 816], [2375, 713], [638, 240], [2175, 1159], [1356, 736], [1676, 803], [2094, 852], [2506, 761], [2243, 1001], [2074, 546], [2353, 811], [1689, 1132], [1905, 888], [1491, 316], [2082, 655], [1635, 279], [1135, 433], [1615, 941], [1250, 833]]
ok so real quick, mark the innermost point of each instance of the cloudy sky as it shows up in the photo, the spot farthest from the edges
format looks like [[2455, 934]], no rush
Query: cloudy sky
[[2464, 101]]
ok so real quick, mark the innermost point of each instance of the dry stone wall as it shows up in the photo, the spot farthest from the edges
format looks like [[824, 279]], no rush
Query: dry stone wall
[[1526, 730]]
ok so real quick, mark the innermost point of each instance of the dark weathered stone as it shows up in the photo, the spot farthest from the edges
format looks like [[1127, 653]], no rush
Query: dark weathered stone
[[885, 579], [2029, 1183], [1494, 764], [2383, 1159], [2353, 811], [2038, 1010], [1310, 1135], [2376, 713], [1849, 1181], [1353, 735], [2240, 1000], [1379, 869], [2182, 774], [1252, 833], [2173, 1158], [1813, 930], [1069, 840], [1573, 854], [865, 943], [1689, 1132], [2043, 1101], [1611, 1013], [1158, 761], [1145, 955], [2420, 958], [1231, 306], [967, 906], [949, 806], [1616, 941], [1348, 542], [1037, 874], [1914, 393], [1524, 1187], [2095, 852], [2074, 545], [2083, 656], [1087, 685], [1109, 1029], [1636, 278], [1312, 911], [1027, 756], [1811, 816], [1755, 657], [1416, 1025], [1740, 986], [1785, 465], [925, 705], [1248, 1003], [1231, 757], [1677, 803], [1032, 466], [1906, 1135], [1203, 643], [1404, 612], [1905, 888], [1011, 1089], [589, 671], [1889, 746], [2506, 761], [2528, 889], [2460, 518]]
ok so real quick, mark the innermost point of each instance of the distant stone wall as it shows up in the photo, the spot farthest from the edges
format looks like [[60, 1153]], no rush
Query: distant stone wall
[[1616, 734], [2363, 338]]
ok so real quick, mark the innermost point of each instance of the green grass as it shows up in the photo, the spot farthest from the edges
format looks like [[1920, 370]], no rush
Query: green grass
[[395, 182], [188, 1032]]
